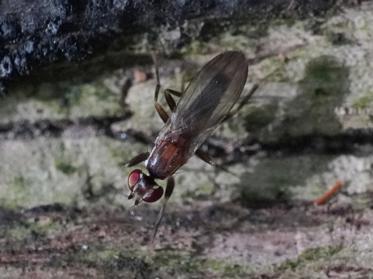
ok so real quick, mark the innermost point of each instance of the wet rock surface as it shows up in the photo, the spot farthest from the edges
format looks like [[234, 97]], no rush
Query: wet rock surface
[[64, 211]]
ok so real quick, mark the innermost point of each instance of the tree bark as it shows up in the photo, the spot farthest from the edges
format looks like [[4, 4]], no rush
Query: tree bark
[[35, 34]]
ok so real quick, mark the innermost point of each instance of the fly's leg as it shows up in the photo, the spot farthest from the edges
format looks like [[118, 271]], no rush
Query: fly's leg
[[161, 112], [173, 92], [167, 93], [169, 189], [170, 102], [156, 70], [158, 107], [169, 99], [204, 156], [242, 103], [137, 159], [183, 83], [255, 86]]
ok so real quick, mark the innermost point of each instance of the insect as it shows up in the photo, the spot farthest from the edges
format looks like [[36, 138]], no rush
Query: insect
[[205, 103]]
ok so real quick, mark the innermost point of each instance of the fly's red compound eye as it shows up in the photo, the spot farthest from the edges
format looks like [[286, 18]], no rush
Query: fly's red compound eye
[[134, 178], [153, 195]]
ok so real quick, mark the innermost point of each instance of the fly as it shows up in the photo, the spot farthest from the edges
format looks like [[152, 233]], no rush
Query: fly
[[203, 105]]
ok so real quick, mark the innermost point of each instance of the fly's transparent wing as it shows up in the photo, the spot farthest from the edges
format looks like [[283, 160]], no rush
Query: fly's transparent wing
[[211, 94]]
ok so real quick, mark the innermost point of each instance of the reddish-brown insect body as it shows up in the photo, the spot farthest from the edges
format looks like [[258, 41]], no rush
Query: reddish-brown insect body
[[204, 104], [168, 155]]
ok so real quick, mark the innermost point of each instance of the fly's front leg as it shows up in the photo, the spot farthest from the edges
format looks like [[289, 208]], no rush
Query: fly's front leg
[[168, 93], [173, 92], [161, 112], [158, 107], [169, 189], [170, 102], [137, 159], [169, 99]]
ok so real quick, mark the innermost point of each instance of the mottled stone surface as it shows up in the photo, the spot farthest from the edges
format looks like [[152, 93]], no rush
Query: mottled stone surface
[[64, 211]]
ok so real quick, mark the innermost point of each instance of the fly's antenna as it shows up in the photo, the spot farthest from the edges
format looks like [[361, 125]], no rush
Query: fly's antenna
[[156, 66]]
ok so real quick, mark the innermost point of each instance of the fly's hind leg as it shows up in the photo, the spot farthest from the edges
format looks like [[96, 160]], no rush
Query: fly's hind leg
[[169, 189], [204, 156], [242, 102], [251, 92]]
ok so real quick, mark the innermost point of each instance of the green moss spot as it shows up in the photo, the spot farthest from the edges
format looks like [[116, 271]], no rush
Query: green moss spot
[[310, 255], [338, 38], [364, 102], [72, 96], [258, 118], [202, 192], [323, 88], [21, 231], [325, 69], [17, 233], [65, 167], [19, 182], [254, 198], [183, 263]]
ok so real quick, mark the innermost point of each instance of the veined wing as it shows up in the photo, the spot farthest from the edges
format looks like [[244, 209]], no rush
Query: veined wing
[[211, 94]]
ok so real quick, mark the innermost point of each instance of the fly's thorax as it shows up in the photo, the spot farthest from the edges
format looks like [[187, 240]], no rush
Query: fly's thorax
[[170, 152]]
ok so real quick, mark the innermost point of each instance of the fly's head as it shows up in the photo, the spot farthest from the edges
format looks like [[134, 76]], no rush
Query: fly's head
[[143, 187]]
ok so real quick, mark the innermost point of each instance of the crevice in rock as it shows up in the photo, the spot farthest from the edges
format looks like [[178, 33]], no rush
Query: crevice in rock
[[354, 141], [55, 128], [349, 142]]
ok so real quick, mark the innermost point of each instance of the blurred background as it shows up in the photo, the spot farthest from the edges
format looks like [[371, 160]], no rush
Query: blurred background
[[77, 84]]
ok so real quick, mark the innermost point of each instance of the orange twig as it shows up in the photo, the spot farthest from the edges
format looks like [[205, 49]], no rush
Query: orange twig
[[329, 194]]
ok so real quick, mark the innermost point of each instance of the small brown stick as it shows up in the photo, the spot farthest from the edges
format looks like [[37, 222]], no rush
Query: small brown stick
[[329, 194]]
